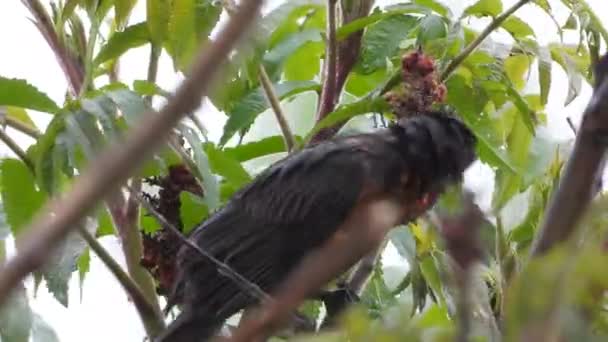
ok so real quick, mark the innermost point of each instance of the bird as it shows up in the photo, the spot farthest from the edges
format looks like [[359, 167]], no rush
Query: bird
[[295, 205]]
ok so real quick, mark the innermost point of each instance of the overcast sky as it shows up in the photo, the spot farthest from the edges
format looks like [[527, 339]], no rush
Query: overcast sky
[[104, 313]]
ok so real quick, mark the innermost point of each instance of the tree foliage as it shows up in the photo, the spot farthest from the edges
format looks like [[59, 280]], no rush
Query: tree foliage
[[560, 293]]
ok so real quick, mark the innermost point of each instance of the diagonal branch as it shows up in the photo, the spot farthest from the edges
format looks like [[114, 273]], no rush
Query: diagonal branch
[[582, 171], [275, 104], [10, 143], [118, 161]]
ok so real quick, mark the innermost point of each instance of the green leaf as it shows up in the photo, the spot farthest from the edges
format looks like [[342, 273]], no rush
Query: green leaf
[[404, 242], [436, 6], [544, 74], [131, 105], [190, 23], [68, 8], [251, 105], [289, 18], [484, 8], [46, 163], [20, 115], [348, 111], [359, 24], [230, 169], [158, 13], [304, 64], [358, 84], [255, 149], [430, 271], [16, 317], [20, 197], [122, 41], [18, 93], [210, 183], [61, 264], [575, 63], [516, 68], [84, 265], [123, 9], [192, 211], [288, 46], [432, 27], [381, 41], [517, 27]]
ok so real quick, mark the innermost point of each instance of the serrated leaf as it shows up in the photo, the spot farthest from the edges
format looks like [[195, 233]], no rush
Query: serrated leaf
[[210, 183], [230, 169], [304, 64], [84, 264], [19, 93], [359, 24], [348, 111], [381, 41], [20, 115], [251, 105], [16, 317], [517, 27], [61, 264], [192, 211], [131, 105], [123, 9], [544, 74], [359, 85], [404, 242], [274, 58], [20, 197], [436, 6], [122, 41], [432, 27], [158, 13], [484, 8]]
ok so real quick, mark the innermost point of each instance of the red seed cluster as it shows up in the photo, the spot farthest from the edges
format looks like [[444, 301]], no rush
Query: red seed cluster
[[160, 248], [421, 86]]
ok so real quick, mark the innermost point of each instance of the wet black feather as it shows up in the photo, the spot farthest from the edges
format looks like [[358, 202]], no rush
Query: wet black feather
[[296, 204]]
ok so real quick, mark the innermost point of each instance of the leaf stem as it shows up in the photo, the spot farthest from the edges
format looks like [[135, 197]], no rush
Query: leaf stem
[[494, 24], [151, 318], [328, 93], [275, 103], [10, 143], [19, 126], [152, 69], [88, 57]]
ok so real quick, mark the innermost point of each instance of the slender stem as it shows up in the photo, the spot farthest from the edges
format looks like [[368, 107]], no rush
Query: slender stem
[[594, 19], [118, 161], [328, 93], [275, 103], [482, 36], [88, 58], [152, 69], [20, 126], [151, 318], [8, 141], [365, 268]]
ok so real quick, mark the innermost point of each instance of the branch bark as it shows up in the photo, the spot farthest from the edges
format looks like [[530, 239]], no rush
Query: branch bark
[[149, 314], [118, 161], [10, 143], [582, 171]]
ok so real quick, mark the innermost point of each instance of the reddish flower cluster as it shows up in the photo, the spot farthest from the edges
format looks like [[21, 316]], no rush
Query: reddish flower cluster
[[421, 86], [160, 248]]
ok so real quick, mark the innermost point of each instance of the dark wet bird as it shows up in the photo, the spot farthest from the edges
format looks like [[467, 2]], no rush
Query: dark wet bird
[[299, 202]]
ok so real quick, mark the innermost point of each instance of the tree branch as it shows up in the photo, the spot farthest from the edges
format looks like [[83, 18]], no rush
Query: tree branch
[[496, 22], [18, 125], [275, 104], [580, 176], [114, 165], [151, 317], [152, 69], [8, 141]]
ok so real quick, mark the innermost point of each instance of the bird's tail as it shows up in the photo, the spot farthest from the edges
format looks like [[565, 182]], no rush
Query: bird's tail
[[191, 326]]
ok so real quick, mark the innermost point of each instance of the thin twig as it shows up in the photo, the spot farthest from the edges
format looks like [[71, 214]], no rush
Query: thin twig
[[151, 318], [327, 99], [494, 24], [114, 165], [152, 69], [8, 141], [19, 126], [579, 179], [247, 286], [571, 124], [275, 104], [358, 279], [87, 81]]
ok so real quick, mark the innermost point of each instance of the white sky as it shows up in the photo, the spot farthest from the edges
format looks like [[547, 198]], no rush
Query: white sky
[[104, 314]]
